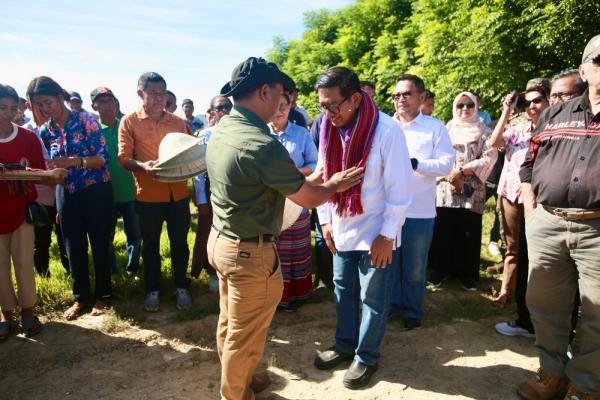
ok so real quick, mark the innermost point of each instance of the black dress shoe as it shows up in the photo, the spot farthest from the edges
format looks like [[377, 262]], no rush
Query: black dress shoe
[[358, 375], [411, 323], [330, 358]]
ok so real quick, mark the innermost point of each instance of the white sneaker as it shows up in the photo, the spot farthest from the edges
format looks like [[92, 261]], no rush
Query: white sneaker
[[512, 329], [493, 249]]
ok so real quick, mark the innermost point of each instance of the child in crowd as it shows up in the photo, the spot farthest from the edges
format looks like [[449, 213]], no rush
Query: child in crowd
[[17, 146]]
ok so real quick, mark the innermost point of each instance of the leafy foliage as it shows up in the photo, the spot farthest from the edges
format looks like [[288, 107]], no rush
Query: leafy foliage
[[486, 46]]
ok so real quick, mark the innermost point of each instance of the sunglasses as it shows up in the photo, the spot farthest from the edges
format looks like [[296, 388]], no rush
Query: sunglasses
[[169, 104], [460, 106], [595, 60], [222, 108], [406, 95], [535, 101]]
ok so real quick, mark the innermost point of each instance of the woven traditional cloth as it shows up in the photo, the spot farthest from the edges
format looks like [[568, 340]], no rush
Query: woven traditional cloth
[[295, 253], [351, 150]]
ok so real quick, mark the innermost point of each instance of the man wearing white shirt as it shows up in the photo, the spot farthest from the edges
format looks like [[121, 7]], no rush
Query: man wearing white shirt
[[361, 225], [431, 156]]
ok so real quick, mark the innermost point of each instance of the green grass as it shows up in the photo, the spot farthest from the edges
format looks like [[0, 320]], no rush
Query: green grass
[[54, 292]]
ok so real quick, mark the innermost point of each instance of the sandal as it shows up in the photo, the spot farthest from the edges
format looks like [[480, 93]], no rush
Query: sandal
[[31, 325], [74, 311], [5, 328], [99, 308]]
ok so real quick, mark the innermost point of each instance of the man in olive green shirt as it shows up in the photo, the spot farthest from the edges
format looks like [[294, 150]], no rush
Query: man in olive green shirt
[[251, 173], [104, 103]]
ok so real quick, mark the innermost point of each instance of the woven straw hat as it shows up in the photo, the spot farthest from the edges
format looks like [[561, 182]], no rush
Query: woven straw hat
[[291, 212], [179, 157]]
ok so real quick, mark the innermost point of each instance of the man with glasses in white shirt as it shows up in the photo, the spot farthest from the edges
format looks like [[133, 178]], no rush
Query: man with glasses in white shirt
[[361, 225], [432, 157]]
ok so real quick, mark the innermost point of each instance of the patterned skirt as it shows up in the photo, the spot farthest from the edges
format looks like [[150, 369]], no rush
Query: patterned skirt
[[295, 254]]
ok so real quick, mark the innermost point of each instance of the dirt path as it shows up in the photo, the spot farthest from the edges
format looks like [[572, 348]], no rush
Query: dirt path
[[96, 358]]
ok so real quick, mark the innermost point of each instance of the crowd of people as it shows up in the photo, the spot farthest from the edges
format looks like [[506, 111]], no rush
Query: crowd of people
[[395, 202]]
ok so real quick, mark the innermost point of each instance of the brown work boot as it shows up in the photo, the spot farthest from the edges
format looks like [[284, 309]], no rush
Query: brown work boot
[[542, 387], [574, 394], [260, 381]]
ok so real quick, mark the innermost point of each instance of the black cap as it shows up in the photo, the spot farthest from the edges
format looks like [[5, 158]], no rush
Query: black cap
[[74, 96], [255, 72], [187, 101]]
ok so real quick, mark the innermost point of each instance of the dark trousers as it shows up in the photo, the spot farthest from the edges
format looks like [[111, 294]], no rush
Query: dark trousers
[[177, 216], [322, 253], [523, 318], [456, 245], [492, 190], [133, 235], [43, 239], [200, 256], [85, 214]]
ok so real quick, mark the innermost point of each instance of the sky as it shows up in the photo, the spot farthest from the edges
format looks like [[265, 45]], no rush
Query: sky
[[194, 45]]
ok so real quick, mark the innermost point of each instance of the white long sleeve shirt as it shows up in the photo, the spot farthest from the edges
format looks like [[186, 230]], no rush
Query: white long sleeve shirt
[[428, 141], [385, 193]]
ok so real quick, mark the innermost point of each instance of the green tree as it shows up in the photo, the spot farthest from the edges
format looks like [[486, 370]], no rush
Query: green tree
[[488, 47]]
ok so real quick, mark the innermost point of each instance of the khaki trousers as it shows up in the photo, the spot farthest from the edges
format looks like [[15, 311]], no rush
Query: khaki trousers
[[250, 285], [18, 246], [511, 216], [564, 255]]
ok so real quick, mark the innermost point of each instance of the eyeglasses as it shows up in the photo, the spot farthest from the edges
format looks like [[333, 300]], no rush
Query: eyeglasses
[[535, 101], [332, 108], [460, 106], [169, 104], [406, 95], [222, 108], [563, 96]]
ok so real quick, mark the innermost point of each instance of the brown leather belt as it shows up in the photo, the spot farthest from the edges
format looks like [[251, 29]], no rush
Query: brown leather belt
[[573, 214], [268, 238]]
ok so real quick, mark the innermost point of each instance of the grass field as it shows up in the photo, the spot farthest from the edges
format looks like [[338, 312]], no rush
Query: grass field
[[54, 293]]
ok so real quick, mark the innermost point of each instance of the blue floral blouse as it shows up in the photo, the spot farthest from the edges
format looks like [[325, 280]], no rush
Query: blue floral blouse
[[80, 137]]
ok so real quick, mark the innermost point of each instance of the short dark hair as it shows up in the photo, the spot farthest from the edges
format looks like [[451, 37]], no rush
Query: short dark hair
[[418, 82], [580, 84], [341, 77], [214, 100], [147, 77], [429, 95], [169, 93], [540, 89], [367, 83], [8, 92], [44, 86]]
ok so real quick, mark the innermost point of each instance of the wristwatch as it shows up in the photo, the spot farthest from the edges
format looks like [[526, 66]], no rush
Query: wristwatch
[[388, 239]]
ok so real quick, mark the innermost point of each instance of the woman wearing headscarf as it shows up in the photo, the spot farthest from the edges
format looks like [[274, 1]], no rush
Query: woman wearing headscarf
[[460, 197], [293, 245], [85, 202]]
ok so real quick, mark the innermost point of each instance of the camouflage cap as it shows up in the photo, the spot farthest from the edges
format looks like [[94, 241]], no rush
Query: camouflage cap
[[544, 82]]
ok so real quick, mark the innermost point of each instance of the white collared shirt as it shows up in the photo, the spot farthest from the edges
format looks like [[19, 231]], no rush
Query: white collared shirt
[[385, 194], [428, 141]]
